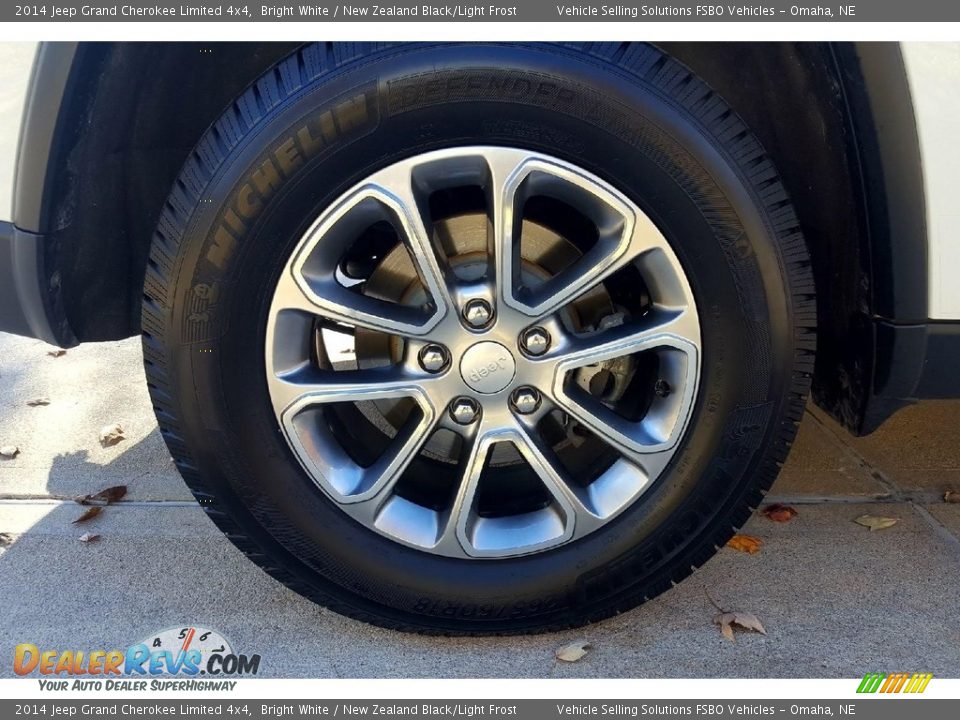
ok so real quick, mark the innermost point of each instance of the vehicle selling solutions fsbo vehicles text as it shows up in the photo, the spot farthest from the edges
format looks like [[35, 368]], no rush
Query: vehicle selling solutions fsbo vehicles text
[[635, 11]]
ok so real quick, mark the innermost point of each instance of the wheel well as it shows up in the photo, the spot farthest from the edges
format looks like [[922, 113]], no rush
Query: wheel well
[[115, 161], [131, 114], [857, 188]]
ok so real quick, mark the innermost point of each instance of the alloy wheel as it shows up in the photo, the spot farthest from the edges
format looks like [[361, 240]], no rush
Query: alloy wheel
[[483, 352]]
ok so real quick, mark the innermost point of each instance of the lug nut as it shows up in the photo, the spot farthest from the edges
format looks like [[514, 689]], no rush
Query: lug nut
[[477, 313], [464, 410], [433, 358], [525, 400], [535, 341]]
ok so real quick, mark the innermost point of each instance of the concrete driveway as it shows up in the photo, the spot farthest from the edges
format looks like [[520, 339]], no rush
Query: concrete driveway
[[837, 600]]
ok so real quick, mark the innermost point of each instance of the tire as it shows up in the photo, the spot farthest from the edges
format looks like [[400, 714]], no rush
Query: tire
[[626, 114]]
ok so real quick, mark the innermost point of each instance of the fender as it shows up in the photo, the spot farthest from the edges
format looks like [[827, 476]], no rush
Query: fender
[[31, 301], [912, 356]]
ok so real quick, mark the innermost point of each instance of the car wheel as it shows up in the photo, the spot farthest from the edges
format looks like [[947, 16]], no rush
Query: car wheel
[[478, 338]]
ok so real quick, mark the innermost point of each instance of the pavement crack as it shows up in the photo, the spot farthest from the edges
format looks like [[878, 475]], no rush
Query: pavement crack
[[26, 499], [938, 527], [830, 499], [896, 494]]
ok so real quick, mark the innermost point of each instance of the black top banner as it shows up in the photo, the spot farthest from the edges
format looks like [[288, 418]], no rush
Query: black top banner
[[563, 11]]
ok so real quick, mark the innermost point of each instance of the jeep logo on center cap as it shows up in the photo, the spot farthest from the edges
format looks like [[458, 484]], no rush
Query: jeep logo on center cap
[[487, 367], [479, 373]]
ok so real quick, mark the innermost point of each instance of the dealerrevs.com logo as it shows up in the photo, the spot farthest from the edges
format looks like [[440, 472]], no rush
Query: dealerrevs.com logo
[[188, 653]]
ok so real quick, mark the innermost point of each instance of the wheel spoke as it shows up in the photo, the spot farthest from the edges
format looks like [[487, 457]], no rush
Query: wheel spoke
[[631, 439], [329, 300], [304, 387], [578, 518], [365, 489], [313, 286], [403, 199], [609, 255], [454, 538], [379, 479], [506, 173], [661, 327], [623, 235], [641, 441]]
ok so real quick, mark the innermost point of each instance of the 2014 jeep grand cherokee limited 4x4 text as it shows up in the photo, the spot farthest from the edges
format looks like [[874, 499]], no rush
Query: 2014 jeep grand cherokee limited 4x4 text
[[491, 338]]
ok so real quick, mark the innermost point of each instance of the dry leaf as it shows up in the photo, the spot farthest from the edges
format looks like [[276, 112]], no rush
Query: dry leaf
[[745, 543], [59, 352], [951, 496], [111, 434], [38, 401], [779, 513], [89, 537], [875, 523], [744, 620], [89, 514], [6, 539], [105, 496], [9, 451], [573, 651]]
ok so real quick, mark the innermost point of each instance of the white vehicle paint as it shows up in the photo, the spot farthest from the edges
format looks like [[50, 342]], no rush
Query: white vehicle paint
[[933, 71], [16, 61]]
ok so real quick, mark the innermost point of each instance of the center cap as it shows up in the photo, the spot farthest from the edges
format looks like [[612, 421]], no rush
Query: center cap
[[487, 367]]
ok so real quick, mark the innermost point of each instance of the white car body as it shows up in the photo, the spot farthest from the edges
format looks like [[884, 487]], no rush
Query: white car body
[[933, 71]]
